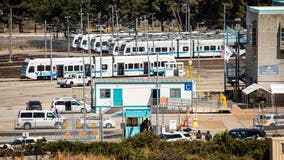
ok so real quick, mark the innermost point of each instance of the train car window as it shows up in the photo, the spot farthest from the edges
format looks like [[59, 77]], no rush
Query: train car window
[[130, 66], [163, 63], [152, 50], [70, 68], [159, 64], [155, 64], [97, 44], [158, 49], [126, 66], [218, 48], [197, 48], [31, 69], [164, 49], [185, 48], [47, 68], [141, 49], [212, 48], [141, 65], [40, 68], [114, 66], [127, 50], [104, 66], [76, 68], [133, 49], [81, 68], [136, 66], [152, 65], [206, 48], [116, 49], [65, 68], [104, 43]]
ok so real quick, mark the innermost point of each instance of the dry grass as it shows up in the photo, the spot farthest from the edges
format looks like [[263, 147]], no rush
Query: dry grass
[[68, 156]]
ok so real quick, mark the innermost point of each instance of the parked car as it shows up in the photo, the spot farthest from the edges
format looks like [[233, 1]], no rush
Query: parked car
[[68, 105], [18, 143], [247, 133], [94, 121], [270, 120], [73, 80], [39, 119], [176, 136], [33, 105], [191, 131]]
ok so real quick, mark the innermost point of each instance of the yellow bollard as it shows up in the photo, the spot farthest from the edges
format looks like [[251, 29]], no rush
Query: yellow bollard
[[195, 123]]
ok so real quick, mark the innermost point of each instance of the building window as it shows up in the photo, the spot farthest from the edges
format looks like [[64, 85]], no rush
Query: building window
[[281, 41], [251, 34], [132, 122], [175, 93], [105, 93]]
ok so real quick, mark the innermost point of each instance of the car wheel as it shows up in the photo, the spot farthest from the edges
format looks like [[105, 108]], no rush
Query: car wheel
[[71, 84], [61, 86], [27, 126], [272, 126], [83, 110], [58, 125], [108, 125]]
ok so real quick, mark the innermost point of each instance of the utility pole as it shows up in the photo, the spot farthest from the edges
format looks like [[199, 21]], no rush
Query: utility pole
[[68, 36], [146, 37], [10, 36], [198, 58], [45, 43], [157, 79], [112, 20], [91, 64], [51, 67], [224, 43], [81, 15]]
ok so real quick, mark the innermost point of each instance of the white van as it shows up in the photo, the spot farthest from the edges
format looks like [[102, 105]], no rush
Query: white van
[[271, 120], [69, 105], [28, 119]]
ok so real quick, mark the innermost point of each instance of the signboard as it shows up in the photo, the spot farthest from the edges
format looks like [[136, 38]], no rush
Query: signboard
[[187, 86], [269, 70], [173, 125]]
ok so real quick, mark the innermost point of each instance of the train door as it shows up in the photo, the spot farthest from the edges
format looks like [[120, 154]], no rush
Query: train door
[[87, 70], [120, 69], [60, 71], [146, 69]]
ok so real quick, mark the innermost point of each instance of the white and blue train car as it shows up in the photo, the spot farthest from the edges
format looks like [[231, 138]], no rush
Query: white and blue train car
[[178, 48], [208, 47], [39, 68], [106, 66]]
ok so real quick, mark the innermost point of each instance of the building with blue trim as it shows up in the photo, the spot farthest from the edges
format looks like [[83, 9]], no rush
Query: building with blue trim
[[137, 95]]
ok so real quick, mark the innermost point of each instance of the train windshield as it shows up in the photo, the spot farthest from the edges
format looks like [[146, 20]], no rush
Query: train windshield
[[111, 48], [121, 50], [24, 68]]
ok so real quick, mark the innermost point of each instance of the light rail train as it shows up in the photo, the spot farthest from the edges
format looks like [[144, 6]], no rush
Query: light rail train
[[106, 66]]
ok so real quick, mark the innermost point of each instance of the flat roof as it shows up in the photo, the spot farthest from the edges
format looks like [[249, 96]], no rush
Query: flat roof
[[266, 9], [141, 80]]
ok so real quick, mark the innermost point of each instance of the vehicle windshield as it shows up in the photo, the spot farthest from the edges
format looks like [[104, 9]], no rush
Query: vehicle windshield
[[34, 103]]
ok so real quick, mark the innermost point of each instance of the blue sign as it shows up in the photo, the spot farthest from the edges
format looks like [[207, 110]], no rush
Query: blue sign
[[187, 86], [269, 70]]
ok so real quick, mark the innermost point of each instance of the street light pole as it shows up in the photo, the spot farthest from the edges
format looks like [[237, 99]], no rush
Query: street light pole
[[198, 58], [45, 42], [10, 36], [238, 21], [68, 36]]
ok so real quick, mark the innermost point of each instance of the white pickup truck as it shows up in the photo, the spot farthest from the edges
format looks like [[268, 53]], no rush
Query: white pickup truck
[[73, 80]]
